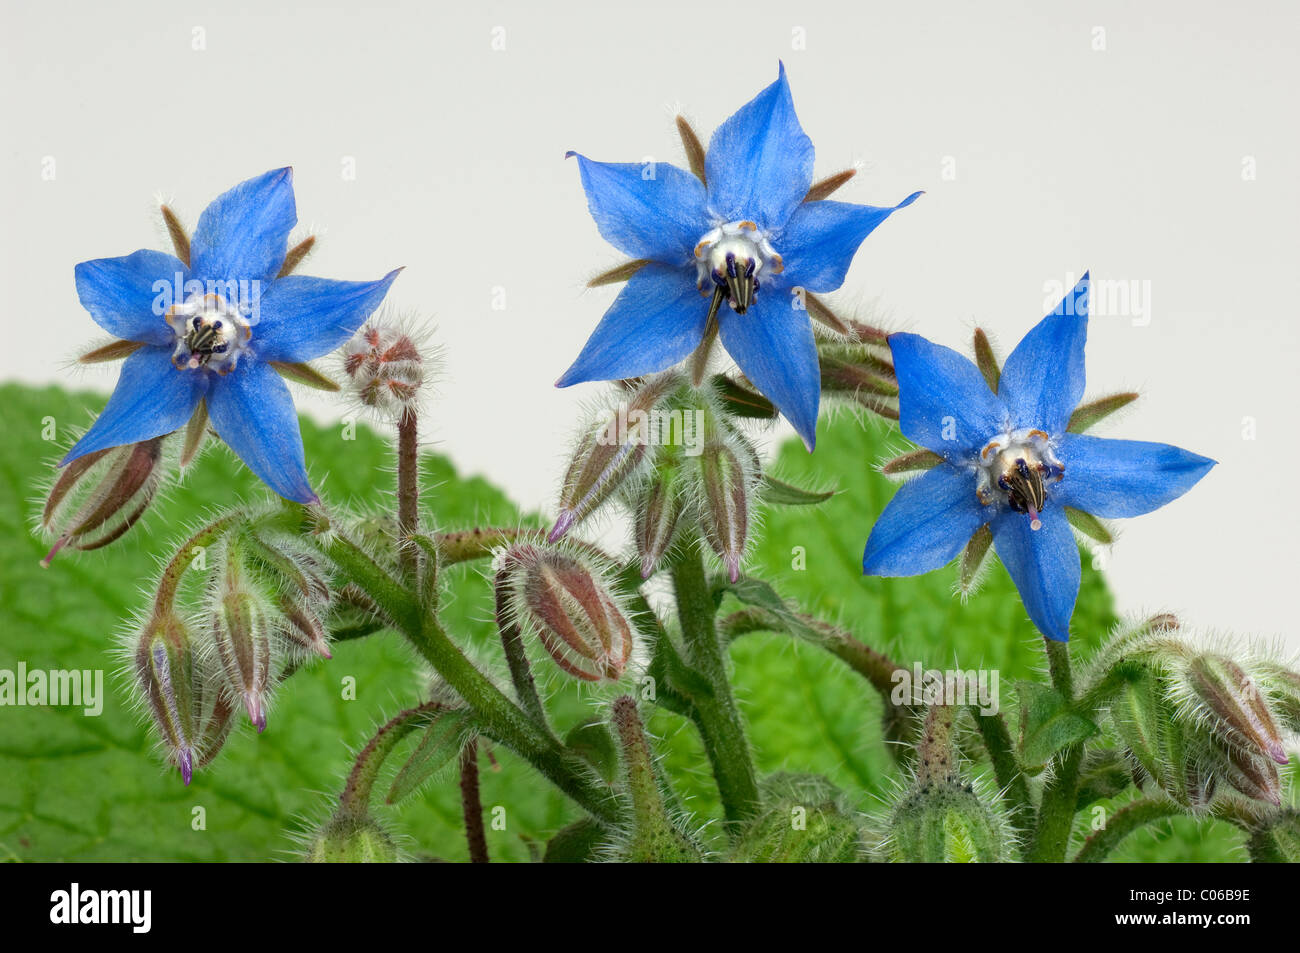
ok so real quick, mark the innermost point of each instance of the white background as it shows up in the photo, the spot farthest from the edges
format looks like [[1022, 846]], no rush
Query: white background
[[1111, 136]]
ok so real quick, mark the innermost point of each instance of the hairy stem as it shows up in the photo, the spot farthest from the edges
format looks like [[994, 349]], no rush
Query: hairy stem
[[1006, 769], [472, 805], [1122, 823], [512, 640], [717, 717], [1061, 796], [408, 489]]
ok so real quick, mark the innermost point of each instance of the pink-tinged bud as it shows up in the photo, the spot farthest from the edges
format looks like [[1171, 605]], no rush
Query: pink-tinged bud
[[657, 513], [1251, 774], [239, 632], [572, 610], [385, 366], [304, 628], [727, 478], [100, 496], [1234, 705], [164, 670], [609, 454]]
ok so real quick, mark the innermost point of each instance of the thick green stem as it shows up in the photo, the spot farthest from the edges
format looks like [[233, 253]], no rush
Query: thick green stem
[[1006, 769], [717, 717], [1061, 795], [1122, 823], [498, 716]]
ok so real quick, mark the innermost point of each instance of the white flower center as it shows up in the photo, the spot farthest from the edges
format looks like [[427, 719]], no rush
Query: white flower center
[[1016, 468], [210, 332], [729, 261]]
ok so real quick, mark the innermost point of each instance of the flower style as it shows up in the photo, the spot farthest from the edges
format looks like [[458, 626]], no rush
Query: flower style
[[1010, 460], [213, 329], [739, 227]]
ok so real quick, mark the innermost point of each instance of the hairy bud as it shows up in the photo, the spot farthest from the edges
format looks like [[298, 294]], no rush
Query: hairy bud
[[802, 820], [385, 366], [241, 635], [658, 511], [946, 822], [611, 452], [727, 473], [349, 838], [571, 608], [1226, 698], [100, 496], [164, 667]]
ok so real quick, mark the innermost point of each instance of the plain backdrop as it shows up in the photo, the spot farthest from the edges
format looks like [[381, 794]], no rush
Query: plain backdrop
[[1154, 143]]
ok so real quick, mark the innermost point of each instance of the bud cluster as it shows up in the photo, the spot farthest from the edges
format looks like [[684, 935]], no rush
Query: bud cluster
[[260, 609], [1196, 722], [386, 365]]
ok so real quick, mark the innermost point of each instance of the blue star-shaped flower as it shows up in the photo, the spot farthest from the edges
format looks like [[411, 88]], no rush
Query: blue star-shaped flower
[[749, 230], [211, 329], [1010, 462]]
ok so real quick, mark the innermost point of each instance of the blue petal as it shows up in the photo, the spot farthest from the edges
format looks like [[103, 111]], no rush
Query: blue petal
[[1044, 565], [244, 233], [656, 320], [821, 239], [1043, 379], [152, 398], [123, 296], [944, 403], [1118, 478], [301, 318], [660, 218], [773, 344], [252, 411], [759, 164], [925, 525]]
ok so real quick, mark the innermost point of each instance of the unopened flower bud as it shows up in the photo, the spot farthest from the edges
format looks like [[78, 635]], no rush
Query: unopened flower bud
[[164, 670], [241, 634], [572, 610], [348, 838], [860, 374], [385, 366], [658, 510], [100, 496], [1233, 705], [727, 479], [947, 822], [802, 820], [609, 454], [1252, 774], [303, 627]]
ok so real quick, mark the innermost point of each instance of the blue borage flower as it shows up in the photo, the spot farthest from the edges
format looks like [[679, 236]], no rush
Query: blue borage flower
[[748, 230], [1008, 461], [212, 328]]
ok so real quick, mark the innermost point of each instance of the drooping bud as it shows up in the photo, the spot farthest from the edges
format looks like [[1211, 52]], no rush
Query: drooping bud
[[100, 496], [385, 366], [1252, 774], [571, 608], [727, 474], [164, 667], [241, 634], [349, 838], [1281, 686], [611, 452], [802, 820], [654, 837], [1222, 694], [1148, 724], [658, 511]]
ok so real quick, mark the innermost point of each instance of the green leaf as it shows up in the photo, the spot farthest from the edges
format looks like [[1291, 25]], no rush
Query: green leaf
[[780, 493], [438, 746], [1047, 724]]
